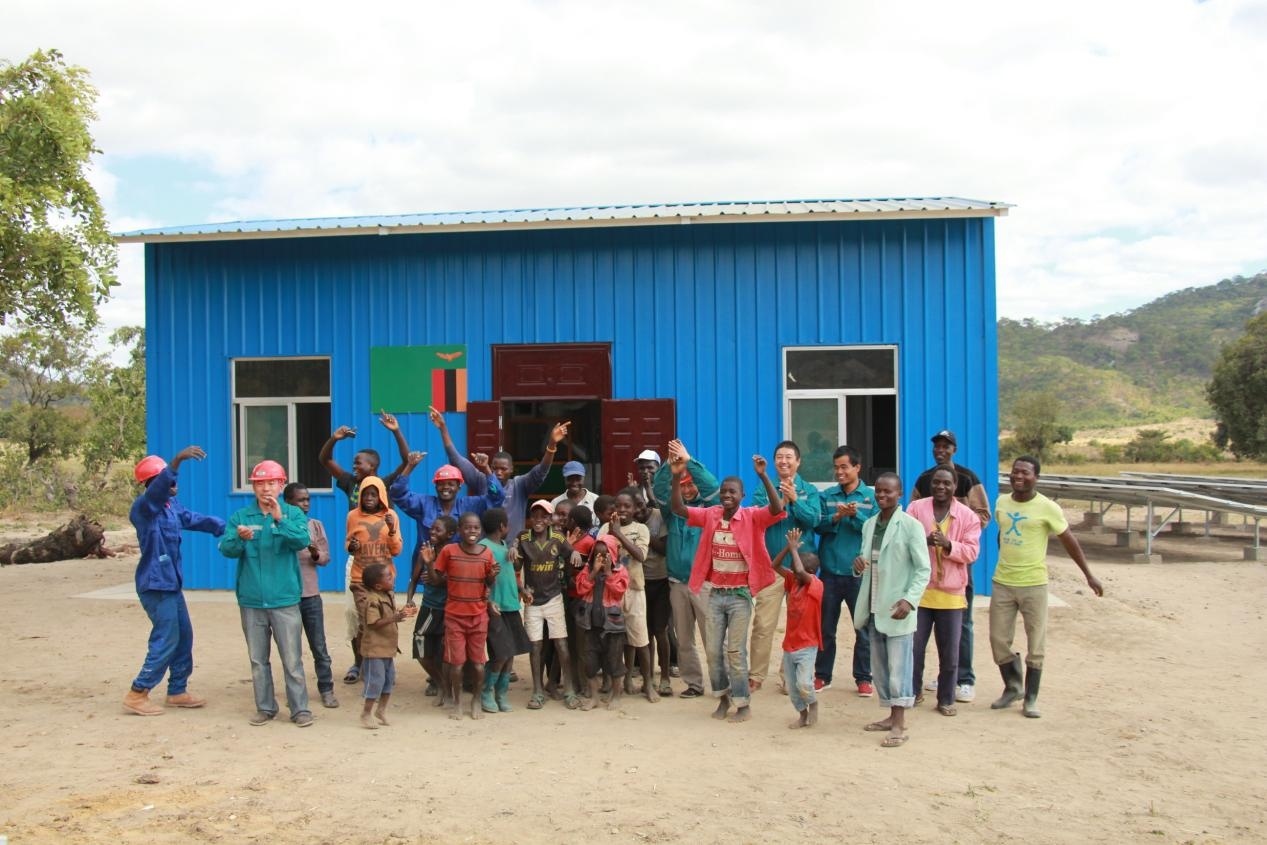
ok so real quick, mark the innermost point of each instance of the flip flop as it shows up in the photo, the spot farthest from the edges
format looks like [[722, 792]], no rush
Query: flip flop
[[947, 709], [353, 675], [571, 701], [894, 741], [877, 726], [537, 701]]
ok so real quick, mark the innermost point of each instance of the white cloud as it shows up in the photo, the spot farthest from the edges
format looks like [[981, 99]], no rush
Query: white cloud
[[1127, 133]]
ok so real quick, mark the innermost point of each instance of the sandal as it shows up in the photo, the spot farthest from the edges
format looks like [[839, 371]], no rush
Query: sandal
[[571, 701], [947, 709], [666, 689], [537, 701], [894, 741], [352, 675]]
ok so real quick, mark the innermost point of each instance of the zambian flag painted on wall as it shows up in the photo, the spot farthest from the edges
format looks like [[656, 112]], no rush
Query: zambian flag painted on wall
[[409, 379]]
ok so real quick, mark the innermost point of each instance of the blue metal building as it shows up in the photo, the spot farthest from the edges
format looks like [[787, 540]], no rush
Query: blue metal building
[[729, 325]]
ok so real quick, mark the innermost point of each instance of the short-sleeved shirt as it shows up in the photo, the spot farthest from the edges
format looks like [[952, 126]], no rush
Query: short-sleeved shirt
[[729, 568], [965, 480], [582, 547], [505, 590], [656, 567], [640, 536], [380, 640], [466, 576], [1024, 528], [804, 613], [543, 567]]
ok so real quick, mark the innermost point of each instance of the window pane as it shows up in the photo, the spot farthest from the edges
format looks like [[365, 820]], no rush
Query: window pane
[[312, 427], [282, 377], [815, 428], [266, 436], [840, 369]]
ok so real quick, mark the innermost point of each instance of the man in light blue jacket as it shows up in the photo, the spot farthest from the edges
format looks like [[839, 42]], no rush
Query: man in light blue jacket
[[894, 567]]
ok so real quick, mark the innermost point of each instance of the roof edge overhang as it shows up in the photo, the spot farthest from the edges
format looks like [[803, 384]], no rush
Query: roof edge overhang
[[994, 210]]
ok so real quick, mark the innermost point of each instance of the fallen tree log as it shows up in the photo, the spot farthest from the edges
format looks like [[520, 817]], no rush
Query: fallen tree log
[[81, 537]]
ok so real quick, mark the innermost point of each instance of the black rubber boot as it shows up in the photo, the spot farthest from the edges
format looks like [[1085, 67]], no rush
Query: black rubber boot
[[1032, 678], [1013, 684]]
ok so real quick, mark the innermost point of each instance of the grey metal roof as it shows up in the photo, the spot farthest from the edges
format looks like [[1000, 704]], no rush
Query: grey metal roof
[[581, 216]]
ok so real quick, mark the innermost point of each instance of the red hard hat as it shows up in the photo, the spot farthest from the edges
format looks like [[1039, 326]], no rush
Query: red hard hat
[[150, 466], [448, 472], [268, 471]]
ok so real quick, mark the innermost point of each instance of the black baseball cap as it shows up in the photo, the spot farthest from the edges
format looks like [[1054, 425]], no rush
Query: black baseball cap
[[946, 434]]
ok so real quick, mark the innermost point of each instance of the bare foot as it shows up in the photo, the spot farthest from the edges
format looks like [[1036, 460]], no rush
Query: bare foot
[[442, 701], [629, 685], [649, 691], [811, 715], [477, 712], [367, 722], [882, 725], [587, 704], [723, 706], [454, 713], [798, 722], [743, 714], [614, 703], [382, 717]]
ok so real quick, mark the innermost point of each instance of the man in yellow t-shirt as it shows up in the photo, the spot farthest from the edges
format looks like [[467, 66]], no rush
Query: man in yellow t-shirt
[[1026, 520]]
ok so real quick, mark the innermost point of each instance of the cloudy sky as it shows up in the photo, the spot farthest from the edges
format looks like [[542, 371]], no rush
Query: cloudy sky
[[1129, 134]]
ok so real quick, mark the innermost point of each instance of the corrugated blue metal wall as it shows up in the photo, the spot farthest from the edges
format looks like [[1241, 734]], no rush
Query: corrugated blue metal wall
[[716, 304]]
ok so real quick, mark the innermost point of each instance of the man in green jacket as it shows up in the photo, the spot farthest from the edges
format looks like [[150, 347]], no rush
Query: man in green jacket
[[264, 537], [699, 489], [894, 568]]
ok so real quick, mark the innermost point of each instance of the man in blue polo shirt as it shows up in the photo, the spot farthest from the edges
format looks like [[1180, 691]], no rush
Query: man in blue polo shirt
[[845, 508]]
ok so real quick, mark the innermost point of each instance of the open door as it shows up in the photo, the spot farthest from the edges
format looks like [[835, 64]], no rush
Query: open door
[[629, 426], [484, 427]]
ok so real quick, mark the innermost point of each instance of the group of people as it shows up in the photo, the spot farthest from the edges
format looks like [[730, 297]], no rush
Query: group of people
[[599, 589]]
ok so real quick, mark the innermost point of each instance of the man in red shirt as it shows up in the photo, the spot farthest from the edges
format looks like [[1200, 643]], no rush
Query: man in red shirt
[[467, 569], [733, 559], [804, 633]]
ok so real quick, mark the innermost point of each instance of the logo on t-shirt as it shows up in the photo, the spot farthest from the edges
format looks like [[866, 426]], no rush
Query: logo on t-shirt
[[1016, 518]]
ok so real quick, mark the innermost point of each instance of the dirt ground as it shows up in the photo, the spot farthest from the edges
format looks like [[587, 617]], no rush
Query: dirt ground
[[1152, 731]]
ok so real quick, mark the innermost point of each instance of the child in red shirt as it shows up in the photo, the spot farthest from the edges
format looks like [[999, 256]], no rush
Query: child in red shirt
[[804, 632], [467, 569]]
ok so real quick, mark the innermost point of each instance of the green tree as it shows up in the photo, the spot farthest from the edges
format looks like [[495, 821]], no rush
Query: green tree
[[46, 368], [1037, 428], [116, 404], [1238, 391], [57, 259]]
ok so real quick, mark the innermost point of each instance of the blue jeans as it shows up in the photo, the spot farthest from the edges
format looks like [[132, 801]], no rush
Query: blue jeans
[[893, 659], [966, 675], [171, 647], [837, 589], [313, 615], [379, 675], [285, 626], [726, 644], [798, 675]]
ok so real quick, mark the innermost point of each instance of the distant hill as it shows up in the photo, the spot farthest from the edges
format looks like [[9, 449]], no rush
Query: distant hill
[[1146, 365]]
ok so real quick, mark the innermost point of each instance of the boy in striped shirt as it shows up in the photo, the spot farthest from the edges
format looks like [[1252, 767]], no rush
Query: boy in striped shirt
[[467, 570]]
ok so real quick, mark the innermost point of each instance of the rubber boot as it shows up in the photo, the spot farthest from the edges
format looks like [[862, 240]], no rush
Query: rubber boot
[[1032, 678], [1013, 684], [488, 703], [138, 702], [503, 692]]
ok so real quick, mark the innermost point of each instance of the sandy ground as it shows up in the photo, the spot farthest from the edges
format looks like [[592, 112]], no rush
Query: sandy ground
[[1152, 732]]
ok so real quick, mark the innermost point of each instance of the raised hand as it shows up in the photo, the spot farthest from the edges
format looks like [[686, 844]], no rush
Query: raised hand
[[437, 418], [195, 452], [415, 458], [759, 464], [559, 433], [794, 538], [679, 448], [343, 432], [481, 462], [389, 422]]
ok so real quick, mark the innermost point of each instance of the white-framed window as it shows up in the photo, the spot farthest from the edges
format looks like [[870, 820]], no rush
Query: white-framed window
[[833, 395], [281, 412]]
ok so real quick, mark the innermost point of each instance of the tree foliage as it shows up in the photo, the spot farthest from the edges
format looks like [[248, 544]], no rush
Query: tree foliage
[[1238, 391], [1037, 426], [57, 259], [116, 404], [45, 366]]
